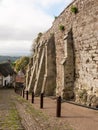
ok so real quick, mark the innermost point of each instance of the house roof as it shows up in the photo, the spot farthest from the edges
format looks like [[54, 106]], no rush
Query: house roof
[[6, 69]]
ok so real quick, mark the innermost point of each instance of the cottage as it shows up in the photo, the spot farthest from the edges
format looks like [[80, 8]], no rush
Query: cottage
[[65, 58], [7, 75], [20, 79]]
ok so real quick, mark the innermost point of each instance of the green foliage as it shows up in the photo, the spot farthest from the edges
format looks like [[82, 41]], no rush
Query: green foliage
[[13, 64], [21, 64], [74, 9], [61, 27], [38, 37], [82, 92], [40, 34], [51, 34], [55, 17], [36, 41]]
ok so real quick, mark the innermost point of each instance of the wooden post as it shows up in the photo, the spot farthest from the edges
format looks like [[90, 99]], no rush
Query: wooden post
[[15, 89], [26, 95], [58, 111], [32, 97], [41, 100], [23, 93]]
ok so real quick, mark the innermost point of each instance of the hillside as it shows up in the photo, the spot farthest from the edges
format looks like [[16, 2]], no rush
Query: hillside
[[6, 58]]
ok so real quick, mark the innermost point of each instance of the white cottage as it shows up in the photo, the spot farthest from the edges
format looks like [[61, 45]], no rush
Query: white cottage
[[7, 75]]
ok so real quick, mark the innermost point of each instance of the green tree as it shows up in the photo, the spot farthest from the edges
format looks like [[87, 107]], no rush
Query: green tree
[[21, 64], [13, 64]]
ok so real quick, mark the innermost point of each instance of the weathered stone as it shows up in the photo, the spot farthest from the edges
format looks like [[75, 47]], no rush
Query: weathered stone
[[72, 58], [94, 102], [68, 95]]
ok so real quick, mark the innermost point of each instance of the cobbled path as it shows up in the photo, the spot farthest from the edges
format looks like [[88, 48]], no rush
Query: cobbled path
[[9, 117], [17, 113]]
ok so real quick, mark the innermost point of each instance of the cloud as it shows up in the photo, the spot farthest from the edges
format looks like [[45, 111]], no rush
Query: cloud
[[52, 6], [22, 20], [19, 16], [16, 48], [47, 3], [0, 1]]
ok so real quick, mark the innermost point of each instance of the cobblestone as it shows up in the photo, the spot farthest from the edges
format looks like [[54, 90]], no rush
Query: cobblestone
[[17, 113], [9, 117]]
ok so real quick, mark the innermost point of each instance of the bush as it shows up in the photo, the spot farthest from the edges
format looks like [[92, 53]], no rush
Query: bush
[[82, 92], [74, 9], [61, 27], [38, 37], [55, 17]]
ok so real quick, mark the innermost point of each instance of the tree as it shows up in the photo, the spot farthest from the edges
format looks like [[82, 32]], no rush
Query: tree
[[21, 64]]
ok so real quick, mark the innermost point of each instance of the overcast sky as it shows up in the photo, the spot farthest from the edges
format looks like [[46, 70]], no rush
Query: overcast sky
[[22, 20]]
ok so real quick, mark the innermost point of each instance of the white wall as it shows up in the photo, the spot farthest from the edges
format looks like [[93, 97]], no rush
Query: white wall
[[1, 81], [8, 80]]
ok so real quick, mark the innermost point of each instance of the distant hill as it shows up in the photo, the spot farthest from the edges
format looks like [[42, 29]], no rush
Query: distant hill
[[6, 58]]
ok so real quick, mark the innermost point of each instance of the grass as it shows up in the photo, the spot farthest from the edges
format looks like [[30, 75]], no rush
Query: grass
[[32, 110], [11, 120], [43, 120]]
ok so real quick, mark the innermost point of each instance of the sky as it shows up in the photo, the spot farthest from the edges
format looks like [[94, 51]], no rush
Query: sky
[[22, 20]]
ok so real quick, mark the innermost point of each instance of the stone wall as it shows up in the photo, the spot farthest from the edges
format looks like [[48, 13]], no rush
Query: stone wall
[[41, 73], [76, 49]]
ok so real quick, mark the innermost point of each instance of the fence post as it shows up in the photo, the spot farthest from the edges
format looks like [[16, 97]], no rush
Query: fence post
[[26, 95], [58, 111], [41, 100], [23, 93], [32, 97]]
